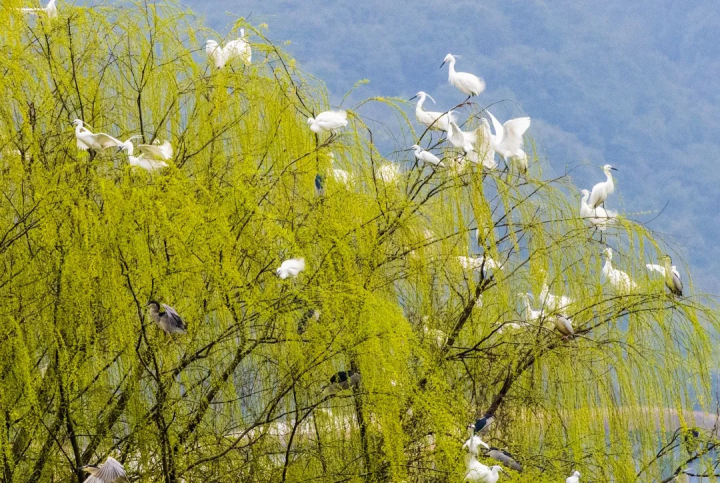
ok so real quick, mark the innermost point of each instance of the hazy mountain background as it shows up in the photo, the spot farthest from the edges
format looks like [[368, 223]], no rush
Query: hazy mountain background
[[633, 84]]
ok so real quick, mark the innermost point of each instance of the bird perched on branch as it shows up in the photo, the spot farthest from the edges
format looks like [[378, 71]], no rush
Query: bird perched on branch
[[290, 268], [426, 156], [672, 277], [508, 139], [235, 49], [341, 381], [50, 9], [167, 318], [109, 472], [147, 159], [328, 121], [309, 315], [602, 190], [619, 280], [598, 217], [575, 478], [436, 121], [481, 425], [95, 141], [468, 84]]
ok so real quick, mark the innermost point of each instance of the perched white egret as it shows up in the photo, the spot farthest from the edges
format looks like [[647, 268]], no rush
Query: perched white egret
[[472, 443], [50, 9], [619, 280], [290, 268], [426, 156], [505, 458], [508, 139], [238, 48], [493, 475], [476, 263], [575, 478], [328, 121], [95, 141], [551, 302], [437, 121], [598, 217], [142, 161], [468, 84], [109, 472], [475, 471], [529, 314], [602, 190], [166, 318], [672, 277], [388, 173], [485, 150]]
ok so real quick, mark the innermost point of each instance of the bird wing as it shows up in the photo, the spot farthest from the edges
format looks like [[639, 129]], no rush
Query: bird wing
[[106, 141], [81, 145], [163, 151], [111, 471], [238, 48], [656, 268], [675, 272], [499, 129], [506, 458], [514, 129], [456, 136], [174, 318], [677, 282], [331, 116]]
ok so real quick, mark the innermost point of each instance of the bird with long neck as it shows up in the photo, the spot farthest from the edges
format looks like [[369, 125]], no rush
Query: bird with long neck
[[468, 84], [436, 121], [602, 190]]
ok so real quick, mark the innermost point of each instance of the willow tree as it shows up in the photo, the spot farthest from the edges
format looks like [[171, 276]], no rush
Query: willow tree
[[87, 240]]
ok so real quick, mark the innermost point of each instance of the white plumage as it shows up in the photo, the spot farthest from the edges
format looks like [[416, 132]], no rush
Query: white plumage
[[109, 472], [575, 478], [426, 156], [461, 139], [470, 263], [50, 9], [602, 190], [618, 279], [598, 217], [553, 303], [508, 139], [291, 268], [437, 121], [388, 173], [328, 121], [156, 150], [146, 163], [95, 141], [468, 84], [238, 48]]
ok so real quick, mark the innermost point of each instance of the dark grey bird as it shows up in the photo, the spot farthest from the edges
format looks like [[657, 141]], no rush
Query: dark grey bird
[[482, 424], [319, 185], [109, 472], [504, 457], [167, 318], [341, 381], [308, 316]]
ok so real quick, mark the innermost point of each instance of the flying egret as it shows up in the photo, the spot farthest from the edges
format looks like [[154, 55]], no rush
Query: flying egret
[[505, 458], [437, 121], [481, 425], [238, 48], [619, 280], [426, 156], [602, 190], [328, 121], [141, 161], [672, 277], [308, 316], [109, 472], [477, 263], [95, 141], [508, 139], [575, 478], [166, 318], [290, 268], [468, 84], [50, 10], [388, 173], [341, 381], [598, 217]]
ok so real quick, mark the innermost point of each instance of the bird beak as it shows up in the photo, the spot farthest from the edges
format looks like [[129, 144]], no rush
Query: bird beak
[[614, 169], [413, 97], [442, 64]]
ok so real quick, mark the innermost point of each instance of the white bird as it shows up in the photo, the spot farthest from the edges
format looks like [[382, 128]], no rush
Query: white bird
[[475, 471], [468, 84], [238, 48], [493, 475], [508, 139], [95, 141], [472, 443], [672, 277], [529, 314], [109, 472], [598, 217], [341, 176], [156, 150], [619, 280], [290, 268], [485, 150], [328, 121], [388, 173], [50, 9], [470, 263], [461, 139], [602, 190], [437, 121], [141, 161], [575, 478], [553, 303], [426, 156]]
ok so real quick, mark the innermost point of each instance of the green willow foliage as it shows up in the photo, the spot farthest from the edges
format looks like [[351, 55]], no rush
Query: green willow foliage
[[87, 240]]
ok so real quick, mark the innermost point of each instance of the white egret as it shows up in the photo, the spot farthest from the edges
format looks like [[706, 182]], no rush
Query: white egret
[[437, 121], [341, 381], [167, 318], [475, 471], [477, 263], [468, 84], [505, 458], [529, 314], [602, 190], [95, 141], [141, 161], [461, 139], [598, 217], [109, 472], [290, 268], [328, 121], [472, 443], [426, 156], [485, 150], [341, 176], [50, 9], [619, 280], [672, 277], [553, 303], [388, 173], [575, 478], [156, 150], [238, 48], [508, 139]]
